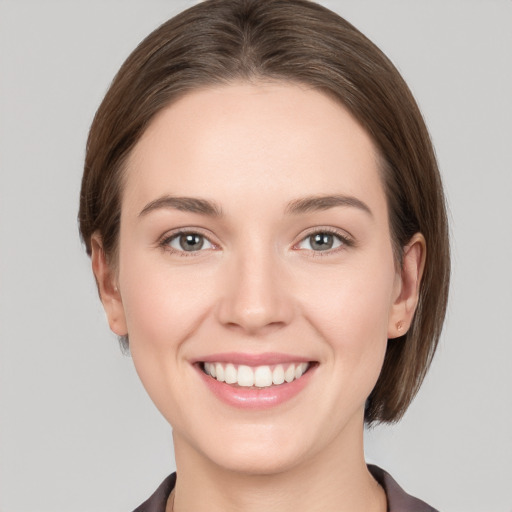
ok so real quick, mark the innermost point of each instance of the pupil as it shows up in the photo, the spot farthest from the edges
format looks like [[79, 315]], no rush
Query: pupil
[[191, 242], [321, 241]]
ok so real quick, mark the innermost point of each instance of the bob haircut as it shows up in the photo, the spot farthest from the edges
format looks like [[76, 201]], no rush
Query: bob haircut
[[295, 41]]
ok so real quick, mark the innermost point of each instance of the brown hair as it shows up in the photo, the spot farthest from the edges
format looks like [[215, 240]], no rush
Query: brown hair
[[219, 41]]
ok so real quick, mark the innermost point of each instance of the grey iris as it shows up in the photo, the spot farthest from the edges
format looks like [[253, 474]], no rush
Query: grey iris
[[321, 241], [191, 242]]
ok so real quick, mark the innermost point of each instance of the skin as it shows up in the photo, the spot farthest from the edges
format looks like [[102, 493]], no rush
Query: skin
[[258, 286]]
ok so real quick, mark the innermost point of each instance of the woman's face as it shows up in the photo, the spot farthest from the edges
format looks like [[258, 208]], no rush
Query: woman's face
[[254, 245]]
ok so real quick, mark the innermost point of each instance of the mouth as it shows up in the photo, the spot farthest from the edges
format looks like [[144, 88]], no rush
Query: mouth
[[255, 381], [262, 376]]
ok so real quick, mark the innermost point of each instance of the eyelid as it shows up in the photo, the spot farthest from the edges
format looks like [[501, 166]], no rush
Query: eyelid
[[346, 239], [168, 236], [163, 242]]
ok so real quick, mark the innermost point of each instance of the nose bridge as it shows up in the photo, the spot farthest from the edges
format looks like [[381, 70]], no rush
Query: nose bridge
[[255, 297]]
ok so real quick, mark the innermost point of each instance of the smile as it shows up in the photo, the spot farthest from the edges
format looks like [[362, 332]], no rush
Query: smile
[[255, 381], [255, 376]]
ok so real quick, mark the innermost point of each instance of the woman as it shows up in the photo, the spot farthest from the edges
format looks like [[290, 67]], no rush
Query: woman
[[266, 222]]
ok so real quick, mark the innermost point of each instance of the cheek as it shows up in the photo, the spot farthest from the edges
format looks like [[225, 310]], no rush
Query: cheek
[[351, 308], [164, 308], [163, 305]]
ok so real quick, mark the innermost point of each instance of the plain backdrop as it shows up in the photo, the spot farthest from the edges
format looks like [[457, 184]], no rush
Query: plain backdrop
[[77, 432]]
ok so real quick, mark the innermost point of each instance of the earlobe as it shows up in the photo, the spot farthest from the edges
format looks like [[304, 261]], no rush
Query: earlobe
[[408, 289], [107, 287]]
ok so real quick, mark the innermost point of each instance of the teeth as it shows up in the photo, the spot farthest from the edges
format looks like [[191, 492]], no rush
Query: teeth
[[260, 376], [245, 376], [209, 368], [219, 372], [278, 375], [299, 371], [230, 374], [289, 374]]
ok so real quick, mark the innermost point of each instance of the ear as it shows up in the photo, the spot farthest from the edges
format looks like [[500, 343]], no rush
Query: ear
[[106, 280], [407, 286]]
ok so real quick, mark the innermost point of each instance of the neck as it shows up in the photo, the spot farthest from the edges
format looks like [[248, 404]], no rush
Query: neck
[[334, 480]]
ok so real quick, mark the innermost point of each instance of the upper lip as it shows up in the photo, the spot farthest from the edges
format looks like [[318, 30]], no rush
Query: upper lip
[[240, 358]]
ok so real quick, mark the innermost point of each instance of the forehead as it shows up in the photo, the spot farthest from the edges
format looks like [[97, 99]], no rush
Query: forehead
[[280, 141]]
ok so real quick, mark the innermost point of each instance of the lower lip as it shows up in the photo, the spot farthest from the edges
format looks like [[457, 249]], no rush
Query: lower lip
[[256, 398]]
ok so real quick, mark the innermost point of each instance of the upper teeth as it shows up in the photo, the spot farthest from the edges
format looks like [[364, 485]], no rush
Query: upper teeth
[[259, 376]]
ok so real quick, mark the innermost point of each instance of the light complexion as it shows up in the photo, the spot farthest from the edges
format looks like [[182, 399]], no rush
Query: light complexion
[[254, 239]]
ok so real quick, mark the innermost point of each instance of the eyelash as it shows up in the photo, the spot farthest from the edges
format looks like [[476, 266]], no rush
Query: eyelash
[[345, 241], [167, 240]]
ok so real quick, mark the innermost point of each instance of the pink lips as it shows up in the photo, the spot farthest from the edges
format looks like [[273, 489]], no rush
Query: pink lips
[[251, 397]]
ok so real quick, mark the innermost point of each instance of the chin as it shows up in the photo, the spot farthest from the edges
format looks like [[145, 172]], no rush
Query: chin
[[263, 449], [258, 460]]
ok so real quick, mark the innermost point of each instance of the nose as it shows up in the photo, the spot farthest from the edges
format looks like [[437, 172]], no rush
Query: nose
[[257, 297]]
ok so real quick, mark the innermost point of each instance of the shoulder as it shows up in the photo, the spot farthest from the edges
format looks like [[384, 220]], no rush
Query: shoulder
[[398, 499], [158, 500]]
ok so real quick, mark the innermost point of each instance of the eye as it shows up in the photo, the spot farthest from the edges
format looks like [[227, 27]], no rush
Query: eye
[[322, 241], [188, 242]]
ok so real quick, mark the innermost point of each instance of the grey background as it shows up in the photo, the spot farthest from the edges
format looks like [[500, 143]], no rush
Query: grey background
[[77, 432]]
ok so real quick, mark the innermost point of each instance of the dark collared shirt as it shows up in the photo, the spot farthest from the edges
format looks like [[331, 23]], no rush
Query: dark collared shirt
[[398, 499]]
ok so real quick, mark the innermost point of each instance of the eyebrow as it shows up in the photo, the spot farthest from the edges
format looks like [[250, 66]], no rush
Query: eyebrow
[[319, 203], [298, 206], [184, 204]]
